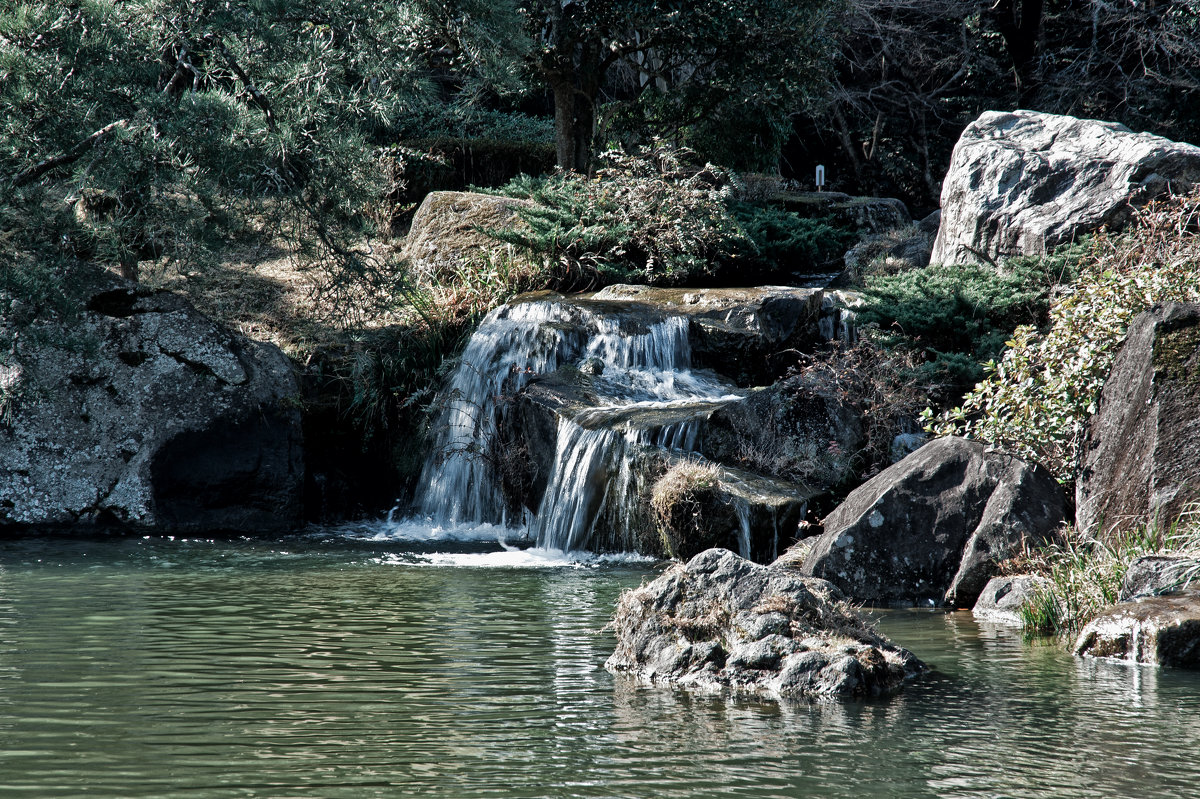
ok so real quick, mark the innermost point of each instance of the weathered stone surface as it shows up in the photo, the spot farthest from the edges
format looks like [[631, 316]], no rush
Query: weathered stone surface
[[1154, 575], [898, 250], [720, 622], [932, 527], [447, 230], [799, 429], [864, 214], [1001, 599], [1022, 182], [1157, 630], [155, 418], [1141, 458]]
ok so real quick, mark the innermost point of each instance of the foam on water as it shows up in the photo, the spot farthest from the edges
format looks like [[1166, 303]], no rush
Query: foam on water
[[417, 530], [513, 558]]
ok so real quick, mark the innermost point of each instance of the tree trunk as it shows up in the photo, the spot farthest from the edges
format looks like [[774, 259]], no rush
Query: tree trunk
[[574, 126], [1020, 23]]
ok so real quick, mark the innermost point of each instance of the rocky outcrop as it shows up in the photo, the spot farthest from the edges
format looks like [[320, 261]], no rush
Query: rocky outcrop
[[1024, 182], [740, 333], [862, 214], [146, 414], [1001, 600], [720, 622], [800, 429], [1154, 575], [897, 250], [447, 231], [1141, 459], [1163, 631], [932, 527]]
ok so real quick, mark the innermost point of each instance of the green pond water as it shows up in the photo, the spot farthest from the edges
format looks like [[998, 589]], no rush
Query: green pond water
[[335, 666]]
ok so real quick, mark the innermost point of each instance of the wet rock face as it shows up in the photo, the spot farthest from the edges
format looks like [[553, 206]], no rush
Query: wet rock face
[[1001, 599], [1163, 631], [720, 622], [149, 415], [1141, 457], [1024, 182], [931, 528]]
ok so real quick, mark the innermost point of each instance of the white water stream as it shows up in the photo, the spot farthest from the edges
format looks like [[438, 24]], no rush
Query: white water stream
[[647, 370]]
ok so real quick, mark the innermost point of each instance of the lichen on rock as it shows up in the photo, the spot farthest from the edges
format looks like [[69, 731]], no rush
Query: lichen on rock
[[721, 622]]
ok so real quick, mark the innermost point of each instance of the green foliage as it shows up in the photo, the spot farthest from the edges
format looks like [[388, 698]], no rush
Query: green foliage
[[1085, 575], [961, 315], [641, 220], [1038, 396], [162, 129], [634, 69], [789, 242]]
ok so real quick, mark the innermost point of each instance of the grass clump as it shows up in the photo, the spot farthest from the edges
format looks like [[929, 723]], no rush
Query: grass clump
[[1085, 575], [683, 501]]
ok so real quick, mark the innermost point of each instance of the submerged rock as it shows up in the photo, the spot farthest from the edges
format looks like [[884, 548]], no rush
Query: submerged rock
[[1001, 600], [1141, 457], [1163, 631], [1023, 182], [148, 415], [933, 527], [721, 622]]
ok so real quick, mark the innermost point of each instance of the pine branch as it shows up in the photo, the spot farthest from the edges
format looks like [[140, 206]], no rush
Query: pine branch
[[259, 98], [70, 156]]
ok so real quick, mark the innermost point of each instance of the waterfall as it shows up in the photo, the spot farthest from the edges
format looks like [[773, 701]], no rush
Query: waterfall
[[512, 345], [646, 369]]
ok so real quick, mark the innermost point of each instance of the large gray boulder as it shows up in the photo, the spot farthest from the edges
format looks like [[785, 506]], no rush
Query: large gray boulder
[[1022, 182], [448, 232], [145, 414], [1141, 457], [721, 622], [933, 527], [1162, 631]]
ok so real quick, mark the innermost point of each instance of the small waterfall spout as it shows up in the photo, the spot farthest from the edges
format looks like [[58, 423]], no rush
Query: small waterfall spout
[[513, 344]]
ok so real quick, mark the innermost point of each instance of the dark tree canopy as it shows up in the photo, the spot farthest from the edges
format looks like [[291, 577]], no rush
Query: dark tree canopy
[[666, 66]]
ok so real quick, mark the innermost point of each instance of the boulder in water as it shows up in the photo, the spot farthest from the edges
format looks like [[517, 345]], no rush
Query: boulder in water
[[1023, 182], [1141, 457], [933, 527], [720, 622], [146, 414], [1001, 600], [1162, 631]]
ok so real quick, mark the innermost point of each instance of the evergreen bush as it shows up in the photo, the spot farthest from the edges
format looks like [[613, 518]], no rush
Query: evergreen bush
[[1038, 396]]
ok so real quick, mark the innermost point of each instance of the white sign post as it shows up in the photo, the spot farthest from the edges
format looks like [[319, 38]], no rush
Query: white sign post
[[820, 177]]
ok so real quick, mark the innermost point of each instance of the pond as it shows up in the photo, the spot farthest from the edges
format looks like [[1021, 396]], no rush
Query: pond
[[361, 663]]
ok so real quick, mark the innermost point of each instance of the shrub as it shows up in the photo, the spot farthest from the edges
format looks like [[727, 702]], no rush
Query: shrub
[[642, 219], [1038, 396], [961, 315], [783, 239], [1086, 575]]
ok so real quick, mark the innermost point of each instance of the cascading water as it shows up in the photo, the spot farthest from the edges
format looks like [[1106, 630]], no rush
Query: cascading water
[[647, 395]]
